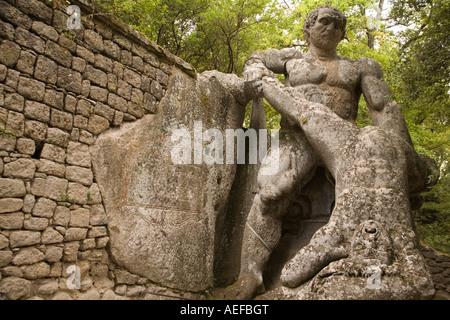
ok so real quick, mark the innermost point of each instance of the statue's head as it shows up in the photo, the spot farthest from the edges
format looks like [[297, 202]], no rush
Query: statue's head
[[325, 26]]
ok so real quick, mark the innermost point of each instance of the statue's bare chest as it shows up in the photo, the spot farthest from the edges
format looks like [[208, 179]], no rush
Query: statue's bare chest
[[337, 73]]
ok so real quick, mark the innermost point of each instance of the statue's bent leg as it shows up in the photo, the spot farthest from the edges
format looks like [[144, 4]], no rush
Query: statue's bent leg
[[262, 232]]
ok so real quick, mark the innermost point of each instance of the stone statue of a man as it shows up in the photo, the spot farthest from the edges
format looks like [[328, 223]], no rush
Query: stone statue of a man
[[319, 76]]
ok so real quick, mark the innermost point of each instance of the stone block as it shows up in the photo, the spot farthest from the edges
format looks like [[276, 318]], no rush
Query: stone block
[[78, 154], [13, 287], [57, 137], [46, 70], [93, 39], [35, 223], [21, 238], [99, 94], [31, 89], [11, 221], [97, 232], [86, 137], [10, 205], [26, 61], [7, 142], [85, 54], [78, 64], [69, 80], [5, 257], [75, 234], [12, 188], [26, 146], [53, 253], [61, 119], [37, 111], [103, 63], [62, 216], [6, 30], [35, 130], [21, 168], [96, 76], [104, 111], [36, 9], [35, 271], [112, 50], [29, 255], [15, 123], [77, 193], [79, 218], [117, 102], [28, 203], [98, 215], [59, 54], [79, 174], [45, 30], [29, 40], [124, 89], [14, 15], [97, 124], [53, 153], [51, 236], [67, 43], [44, 208], [9, 53], [54, 99], [132, 77]]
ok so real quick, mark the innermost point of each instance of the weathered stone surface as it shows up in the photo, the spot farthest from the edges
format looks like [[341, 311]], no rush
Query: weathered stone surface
[[69, 80], [24, 238], [31, 89], [46, 70], [10, 204], [79, 218], [50, 236], [11, 188], [35, 271], [9, 53], [13, 287], [26, 146], [25, 64], [29, 40], [21, 168], [44, 208], [37, 111], [53, 153], [34, 223], [11, 221], [79, 174], [164, 205], [78, 154], [29, 255], [14, 101]]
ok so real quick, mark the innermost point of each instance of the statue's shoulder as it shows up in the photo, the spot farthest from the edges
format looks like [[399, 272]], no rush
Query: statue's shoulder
[[369, 66]]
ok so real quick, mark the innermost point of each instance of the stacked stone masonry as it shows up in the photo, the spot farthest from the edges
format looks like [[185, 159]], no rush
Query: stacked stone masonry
[[59, 89]]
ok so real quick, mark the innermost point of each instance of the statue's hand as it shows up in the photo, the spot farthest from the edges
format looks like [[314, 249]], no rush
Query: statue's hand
[[256, 71], [254, 88]]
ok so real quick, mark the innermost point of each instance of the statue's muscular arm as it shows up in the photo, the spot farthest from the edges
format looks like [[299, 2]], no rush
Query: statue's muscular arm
[[385, 113], [263, 63]]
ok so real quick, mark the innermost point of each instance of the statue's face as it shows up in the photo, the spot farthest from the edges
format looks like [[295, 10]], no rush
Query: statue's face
[[327, 31]]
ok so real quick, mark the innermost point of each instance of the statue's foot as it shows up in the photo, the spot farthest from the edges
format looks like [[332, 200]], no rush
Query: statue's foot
[[245, 288]]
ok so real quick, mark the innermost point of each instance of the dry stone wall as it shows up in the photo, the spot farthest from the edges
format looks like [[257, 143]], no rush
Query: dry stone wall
[[59, 89]]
